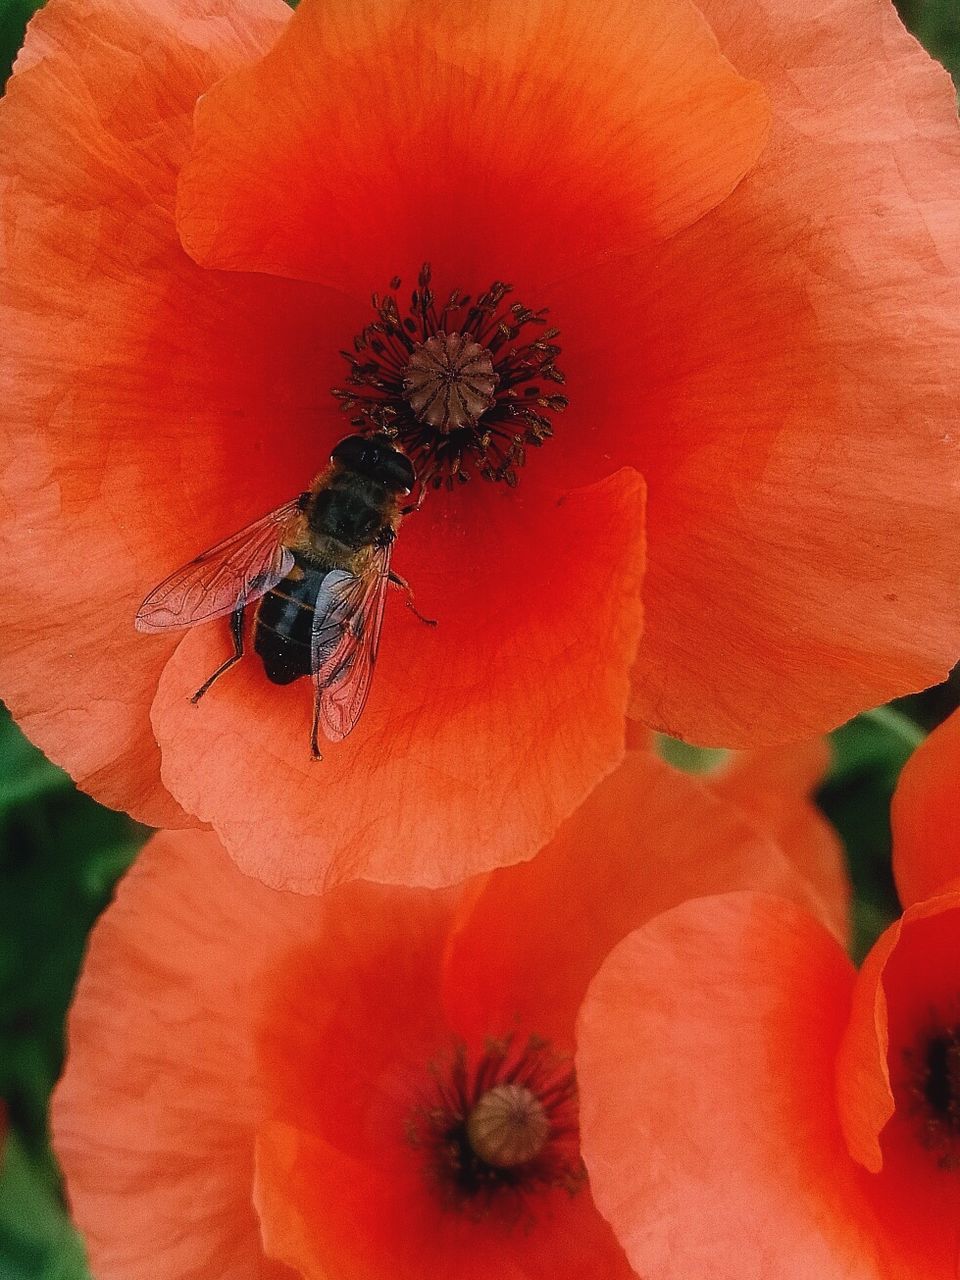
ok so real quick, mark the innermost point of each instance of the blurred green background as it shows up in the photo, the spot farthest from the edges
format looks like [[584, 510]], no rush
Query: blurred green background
[[61, 854]]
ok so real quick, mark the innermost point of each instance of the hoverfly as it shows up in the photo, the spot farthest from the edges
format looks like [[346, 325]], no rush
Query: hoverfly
[[320, 568]]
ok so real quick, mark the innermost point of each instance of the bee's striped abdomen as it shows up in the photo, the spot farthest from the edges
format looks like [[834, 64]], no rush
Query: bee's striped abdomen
[[284, 625]]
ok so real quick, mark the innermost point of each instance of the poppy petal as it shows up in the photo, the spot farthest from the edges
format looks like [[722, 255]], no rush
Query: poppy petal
[[339, 1176], [92, 275], [614, 123], [864, 1097], [187, 1064], [893, 1103], [926, 835], [156, 1135], [664, 838], [538, 606], [920, 950], [775, 788], [915, 990], [802, 468], [318, 1203], [706, 1065]]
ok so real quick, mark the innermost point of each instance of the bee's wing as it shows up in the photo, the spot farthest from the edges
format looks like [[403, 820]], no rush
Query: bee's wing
[[346, 638], [234, 572]]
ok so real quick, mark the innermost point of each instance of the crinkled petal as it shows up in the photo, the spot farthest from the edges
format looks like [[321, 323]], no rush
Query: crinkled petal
[[336, 1218], [345, 1184], [648, 838], [706, 1063], [864, 1096], [188, 1038], [115, 412], [926, 834], [774, 787], [496, 139], [481, 734], [155, 1117], [798, 398], [905, 991]]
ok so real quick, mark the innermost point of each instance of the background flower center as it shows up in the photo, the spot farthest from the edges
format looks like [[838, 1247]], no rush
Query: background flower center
[[500, 1127]]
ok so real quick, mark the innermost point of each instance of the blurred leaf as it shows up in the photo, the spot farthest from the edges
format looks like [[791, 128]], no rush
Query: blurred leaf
[[37, 1241], [868, 754], [25, 774], [879, 741], [682, 755], [936, 24], [14, 16], [60, 856]]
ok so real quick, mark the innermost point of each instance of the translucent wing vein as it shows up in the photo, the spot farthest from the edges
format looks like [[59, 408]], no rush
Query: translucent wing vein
[[236, 571]]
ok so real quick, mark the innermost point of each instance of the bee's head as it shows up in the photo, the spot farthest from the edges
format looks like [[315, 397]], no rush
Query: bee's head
[[375, 456]]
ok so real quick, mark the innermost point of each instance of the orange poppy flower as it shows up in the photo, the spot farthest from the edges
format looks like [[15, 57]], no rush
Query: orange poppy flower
[[774, 788], [749, 252], [376, 1082], [926, 840], [783, 1099]]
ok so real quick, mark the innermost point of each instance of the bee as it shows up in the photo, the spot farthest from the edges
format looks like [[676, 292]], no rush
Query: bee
[[319, 568]]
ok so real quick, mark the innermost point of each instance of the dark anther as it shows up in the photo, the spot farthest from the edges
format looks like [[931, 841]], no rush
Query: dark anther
[[455, 385]]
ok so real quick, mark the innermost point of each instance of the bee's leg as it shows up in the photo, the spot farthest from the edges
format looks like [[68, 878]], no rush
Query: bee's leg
[[405, 587], [315, 730], [236, 630], [415, 506]]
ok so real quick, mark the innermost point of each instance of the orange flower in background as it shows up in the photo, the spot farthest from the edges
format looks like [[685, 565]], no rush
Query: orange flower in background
[[923, 816], [376, 1082], [748, 255], [790, 1101], [775, 787]]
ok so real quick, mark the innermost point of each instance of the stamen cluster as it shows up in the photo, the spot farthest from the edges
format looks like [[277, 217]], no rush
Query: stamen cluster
[[499, 1127], [458, 385], [933, 1090]]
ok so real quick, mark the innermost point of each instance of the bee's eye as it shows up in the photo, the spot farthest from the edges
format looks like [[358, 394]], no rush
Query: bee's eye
[[349, 451], [376, 457], [396, 471]]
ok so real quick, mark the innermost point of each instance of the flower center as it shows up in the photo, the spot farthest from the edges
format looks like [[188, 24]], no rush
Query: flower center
[[508, 1126], [498, 1128], [933, 1092], [941, 1084], [461, 386], [449, 380]]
